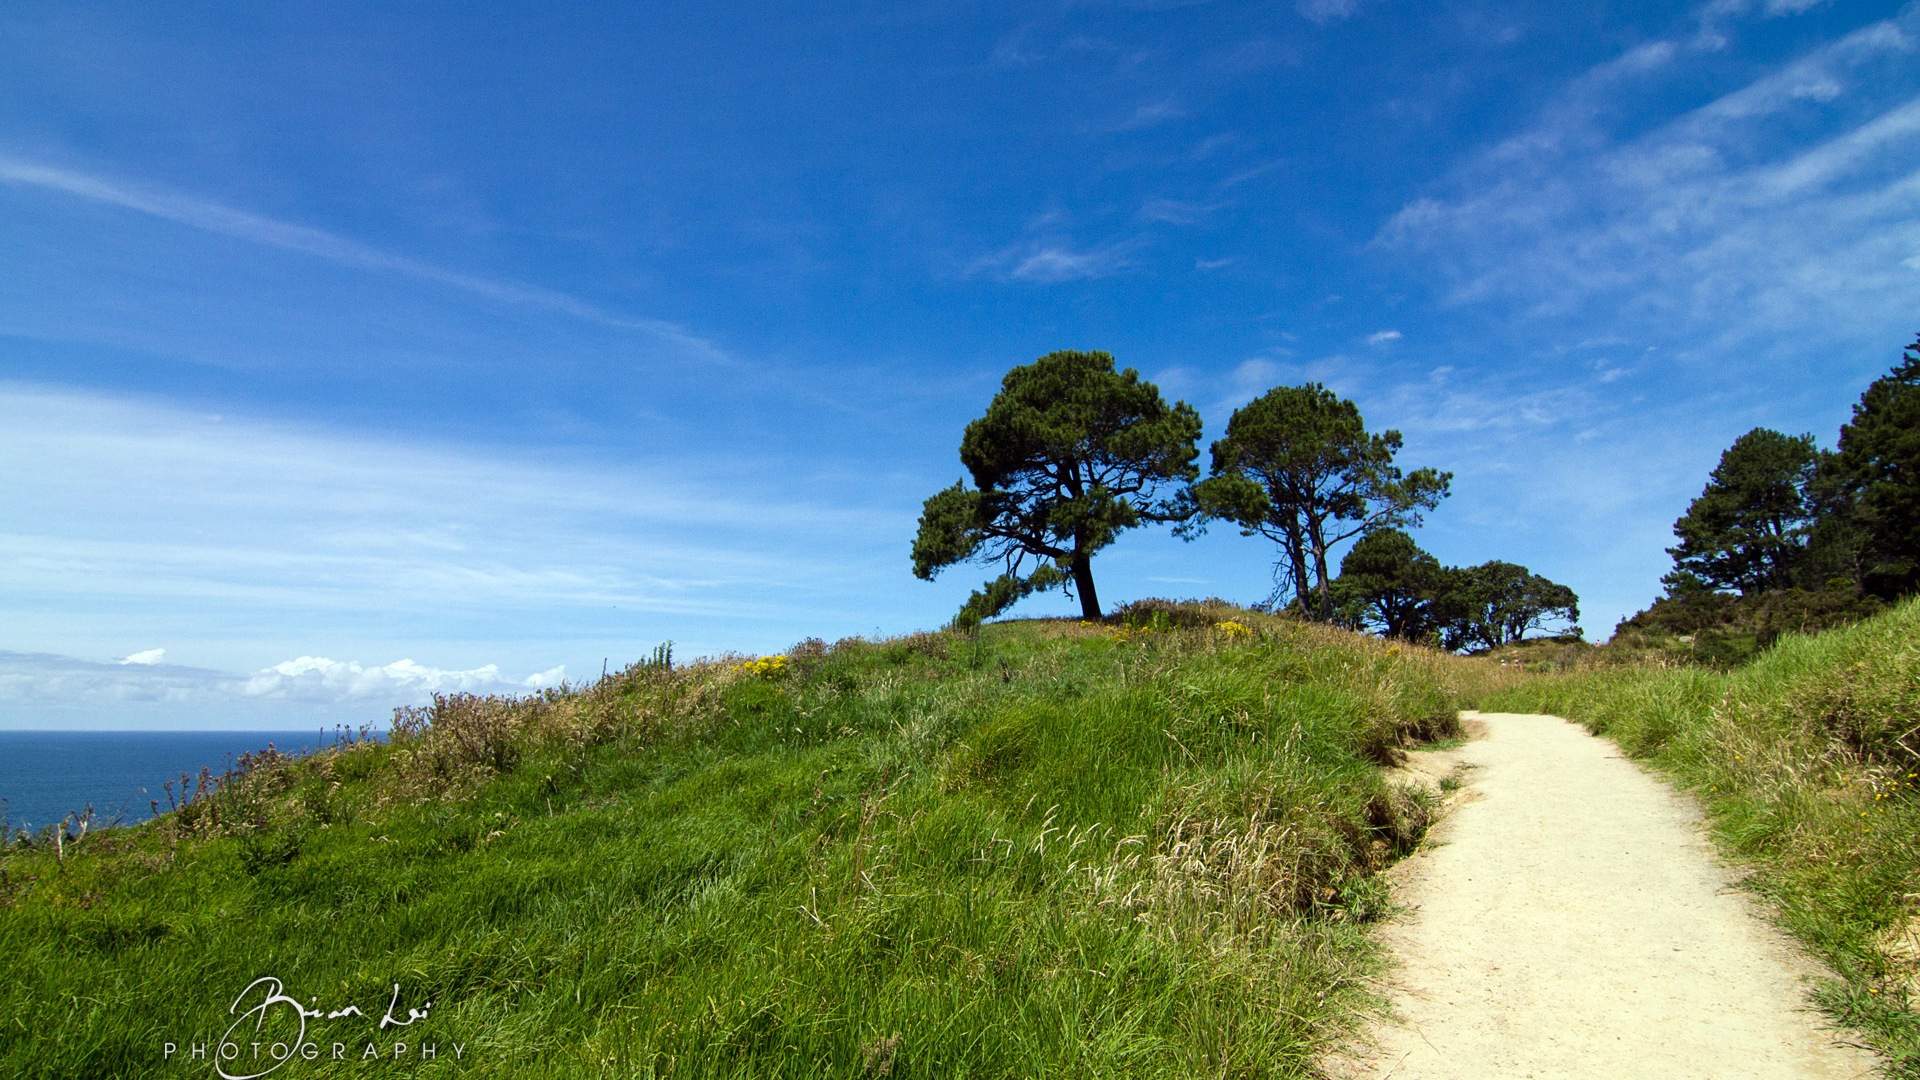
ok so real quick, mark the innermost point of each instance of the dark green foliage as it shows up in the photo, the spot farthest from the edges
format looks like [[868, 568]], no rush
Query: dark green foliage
[[1748, 530], [1003, 592], [1388, 585], [1498, 603], [1809, 540], [1070, 454], [1876, 479], [1722, 630], [1299, 467]]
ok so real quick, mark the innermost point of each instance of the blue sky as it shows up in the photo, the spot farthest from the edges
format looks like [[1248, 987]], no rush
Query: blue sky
[[505, 340]]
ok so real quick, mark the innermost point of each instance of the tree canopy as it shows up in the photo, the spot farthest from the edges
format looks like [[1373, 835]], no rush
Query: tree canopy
[[1748, 530], [1876, 474], [1299, 467], [1070, 454], [1498, 603], [1388, 585]]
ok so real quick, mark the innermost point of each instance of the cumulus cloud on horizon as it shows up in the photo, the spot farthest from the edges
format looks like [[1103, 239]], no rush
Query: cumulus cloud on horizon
[[316, 677], [37, 688], [208, 545]]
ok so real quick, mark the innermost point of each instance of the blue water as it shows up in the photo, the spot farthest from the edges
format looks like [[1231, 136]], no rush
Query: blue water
[[46, 775]]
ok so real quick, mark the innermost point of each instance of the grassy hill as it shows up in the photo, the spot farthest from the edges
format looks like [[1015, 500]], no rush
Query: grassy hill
[[1050, 849], [1808, 762]]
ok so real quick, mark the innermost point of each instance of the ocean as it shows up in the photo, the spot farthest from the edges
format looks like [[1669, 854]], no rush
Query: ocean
[[46, 775]]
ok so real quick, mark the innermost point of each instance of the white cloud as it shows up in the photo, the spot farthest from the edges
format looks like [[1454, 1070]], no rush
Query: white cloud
[[1252, 377], [38, 688], [1256, 375], [1733, 264], [401, 682], [1052, 262], [1173, 211], [1383, 337], [1244, 175], [1326, 11], [146, 656], [37, 682], [1727, 221], [253, 228], [241, 543], [1152, 113]]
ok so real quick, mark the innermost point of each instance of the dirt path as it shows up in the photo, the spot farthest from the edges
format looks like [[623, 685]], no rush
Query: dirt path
[[1570, 920]]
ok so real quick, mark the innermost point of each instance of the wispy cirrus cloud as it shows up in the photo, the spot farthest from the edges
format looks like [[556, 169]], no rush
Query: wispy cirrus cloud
[[238, 543], [1725, 223], [213, 217], [1152, 114], [1326, 11], [1047, 262], [1174, 211]]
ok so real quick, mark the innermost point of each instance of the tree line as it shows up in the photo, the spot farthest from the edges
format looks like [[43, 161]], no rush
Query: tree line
[[1786, 528], [1072, 452]]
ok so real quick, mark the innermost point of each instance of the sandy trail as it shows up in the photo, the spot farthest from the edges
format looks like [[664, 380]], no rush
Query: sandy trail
[[1570, 919]]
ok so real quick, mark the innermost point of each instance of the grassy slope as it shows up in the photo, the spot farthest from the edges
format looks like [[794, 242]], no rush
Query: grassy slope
[[1042, 852], [1807, 761]]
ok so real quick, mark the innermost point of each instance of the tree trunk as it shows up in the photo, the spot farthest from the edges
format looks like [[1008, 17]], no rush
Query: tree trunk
[[1321, 587], [1296, 546], [1083, 585]]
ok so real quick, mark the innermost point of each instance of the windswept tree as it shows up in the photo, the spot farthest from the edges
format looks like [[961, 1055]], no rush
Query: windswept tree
[[1498, 603], [1299, 467], [1069, 455], [1388, 585], [1747, 532], [1876, 474]]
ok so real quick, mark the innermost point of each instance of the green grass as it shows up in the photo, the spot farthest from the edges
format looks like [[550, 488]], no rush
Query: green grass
[[1808, 761], [1053, 849]]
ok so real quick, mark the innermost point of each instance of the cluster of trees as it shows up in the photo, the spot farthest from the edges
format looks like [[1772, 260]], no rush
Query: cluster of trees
[[1072, 452], [1390, 586], [1780, 513]]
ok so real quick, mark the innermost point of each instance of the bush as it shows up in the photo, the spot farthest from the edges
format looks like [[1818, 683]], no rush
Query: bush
[[1724, 631]]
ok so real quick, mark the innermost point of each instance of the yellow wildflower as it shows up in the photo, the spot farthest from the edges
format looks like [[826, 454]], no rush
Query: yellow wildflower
[[768, 666]]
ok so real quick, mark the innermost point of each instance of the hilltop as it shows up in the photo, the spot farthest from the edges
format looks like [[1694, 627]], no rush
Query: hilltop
[[1145, 847]]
